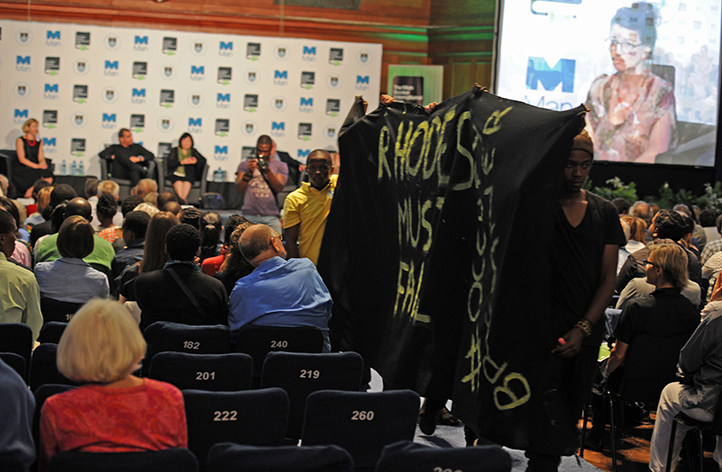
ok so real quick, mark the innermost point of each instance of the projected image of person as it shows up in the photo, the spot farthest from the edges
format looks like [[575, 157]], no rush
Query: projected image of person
[[632, 114]]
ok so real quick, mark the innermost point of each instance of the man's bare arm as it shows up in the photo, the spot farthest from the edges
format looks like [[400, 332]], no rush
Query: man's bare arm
[[292, 240]]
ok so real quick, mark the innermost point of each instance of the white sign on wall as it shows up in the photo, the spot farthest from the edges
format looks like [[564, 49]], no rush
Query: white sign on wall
[[84, 83]]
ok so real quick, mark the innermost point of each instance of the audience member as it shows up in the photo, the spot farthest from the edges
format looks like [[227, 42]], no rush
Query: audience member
[[278, 292], [622, 205], [641, 209], [60, 193], [708, 221], [714, 246], [698, 234], [666, 224], [211, 265], [70, 279], [173, 207], [114, 411], [43, 201], [91, 190], [106, 209], [21, 254], [102, 255], [663, 313], [181, 292], [37, 186], [259, 180], [135, 225], [154, 255], [235, 265], [697, 392], [191, 216], [306, 209], [127, 160], [20, 296], [148, 208], [4, 185], [165, 197], [211, 230], [16, 410], [151, 199], [145, 187]]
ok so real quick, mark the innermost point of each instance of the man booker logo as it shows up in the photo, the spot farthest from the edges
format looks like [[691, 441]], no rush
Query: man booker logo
[[363, 58], [252, 77], [198, 47], [334, 82], [167, 71], [249, 128]]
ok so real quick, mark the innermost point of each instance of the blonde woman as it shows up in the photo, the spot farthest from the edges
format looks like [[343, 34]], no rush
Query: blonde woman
[[31, 164], [115, 411]]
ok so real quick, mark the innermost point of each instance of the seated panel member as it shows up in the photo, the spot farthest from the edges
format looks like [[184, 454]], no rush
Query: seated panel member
[[278, 292], [128, 160]]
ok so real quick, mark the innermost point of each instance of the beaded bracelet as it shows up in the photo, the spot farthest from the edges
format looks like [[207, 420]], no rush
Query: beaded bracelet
[[585, 326]]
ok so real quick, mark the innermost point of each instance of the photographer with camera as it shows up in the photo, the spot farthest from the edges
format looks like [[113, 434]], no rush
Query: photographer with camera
[[260, 179]]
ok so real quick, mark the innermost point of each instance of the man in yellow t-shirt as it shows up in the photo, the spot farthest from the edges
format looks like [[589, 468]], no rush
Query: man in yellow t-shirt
[[306, 209]]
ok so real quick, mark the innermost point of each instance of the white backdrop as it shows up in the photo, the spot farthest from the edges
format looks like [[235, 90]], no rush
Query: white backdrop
[[84, 83]]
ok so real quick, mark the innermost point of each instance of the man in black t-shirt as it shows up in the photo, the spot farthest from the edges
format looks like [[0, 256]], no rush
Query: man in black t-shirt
[[586, 241], [127, 160]]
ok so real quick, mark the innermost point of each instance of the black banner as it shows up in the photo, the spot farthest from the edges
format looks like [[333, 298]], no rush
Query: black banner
[[435, 253]]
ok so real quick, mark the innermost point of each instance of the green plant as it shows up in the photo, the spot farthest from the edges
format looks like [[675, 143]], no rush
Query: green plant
[[615, 189]]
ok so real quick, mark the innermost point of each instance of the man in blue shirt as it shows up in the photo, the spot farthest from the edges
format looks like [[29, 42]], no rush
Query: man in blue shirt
[[278, 292]]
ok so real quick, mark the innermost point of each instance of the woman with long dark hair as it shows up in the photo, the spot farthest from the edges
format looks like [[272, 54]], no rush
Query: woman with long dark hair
[[184, 166]]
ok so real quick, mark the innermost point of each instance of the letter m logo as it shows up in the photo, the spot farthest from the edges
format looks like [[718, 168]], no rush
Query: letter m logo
[[111, 65], [49, 141], [21, 113], [550, 77], [280, 74], [198, 70], [306, 102], [138, 92], [195, 122], [227, 45], [53, 35], [23, 60], [141, 40], [278, 126], [221, 149], [109, 117], [362, 79], [51, 88], [224, 97], [303, 153], [311, 51]]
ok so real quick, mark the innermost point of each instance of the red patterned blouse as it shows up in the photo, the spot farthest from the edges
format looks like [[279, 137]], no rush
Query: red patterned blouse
[[92, 418]]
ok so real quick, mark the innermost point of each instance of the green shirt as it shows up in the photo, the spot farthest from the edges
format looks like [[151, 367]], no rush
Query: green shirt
[[103, 253], [19, 296]]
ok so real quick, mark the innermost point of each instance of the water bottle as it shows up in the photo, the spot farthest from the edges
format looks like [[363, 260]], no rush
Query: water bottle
[[218, 175], [73, 168], [81, 168], [63, 168]]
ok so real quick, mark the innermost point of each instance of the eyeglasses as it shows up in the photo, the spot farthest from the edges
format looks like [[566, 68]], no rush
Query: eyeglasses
[[623, 46], [650, 263], [277, 236]]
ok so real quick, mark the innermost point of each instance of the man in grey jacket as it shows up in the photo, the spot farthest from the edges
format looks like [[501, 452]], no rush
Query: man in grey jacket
[[700, 364]]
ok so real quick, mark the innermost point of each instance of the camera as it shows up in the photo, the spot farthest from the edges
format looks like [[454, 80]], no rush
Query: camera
[[262, 164]]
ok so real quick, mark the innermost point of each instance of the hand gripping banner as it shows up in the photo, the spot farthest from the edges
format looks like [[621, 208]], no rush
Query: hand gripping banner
[[436, 252]]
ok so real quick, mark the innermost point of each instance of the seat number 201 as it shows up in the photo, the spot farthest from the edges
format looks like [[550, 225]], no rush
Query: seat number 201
[[225, 415], [362, 415], [205, 376]]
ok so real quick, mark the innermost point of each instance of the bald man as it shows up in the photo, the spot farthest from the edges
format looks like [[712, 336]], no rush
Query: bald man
[[306, 209], [279, 292]]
